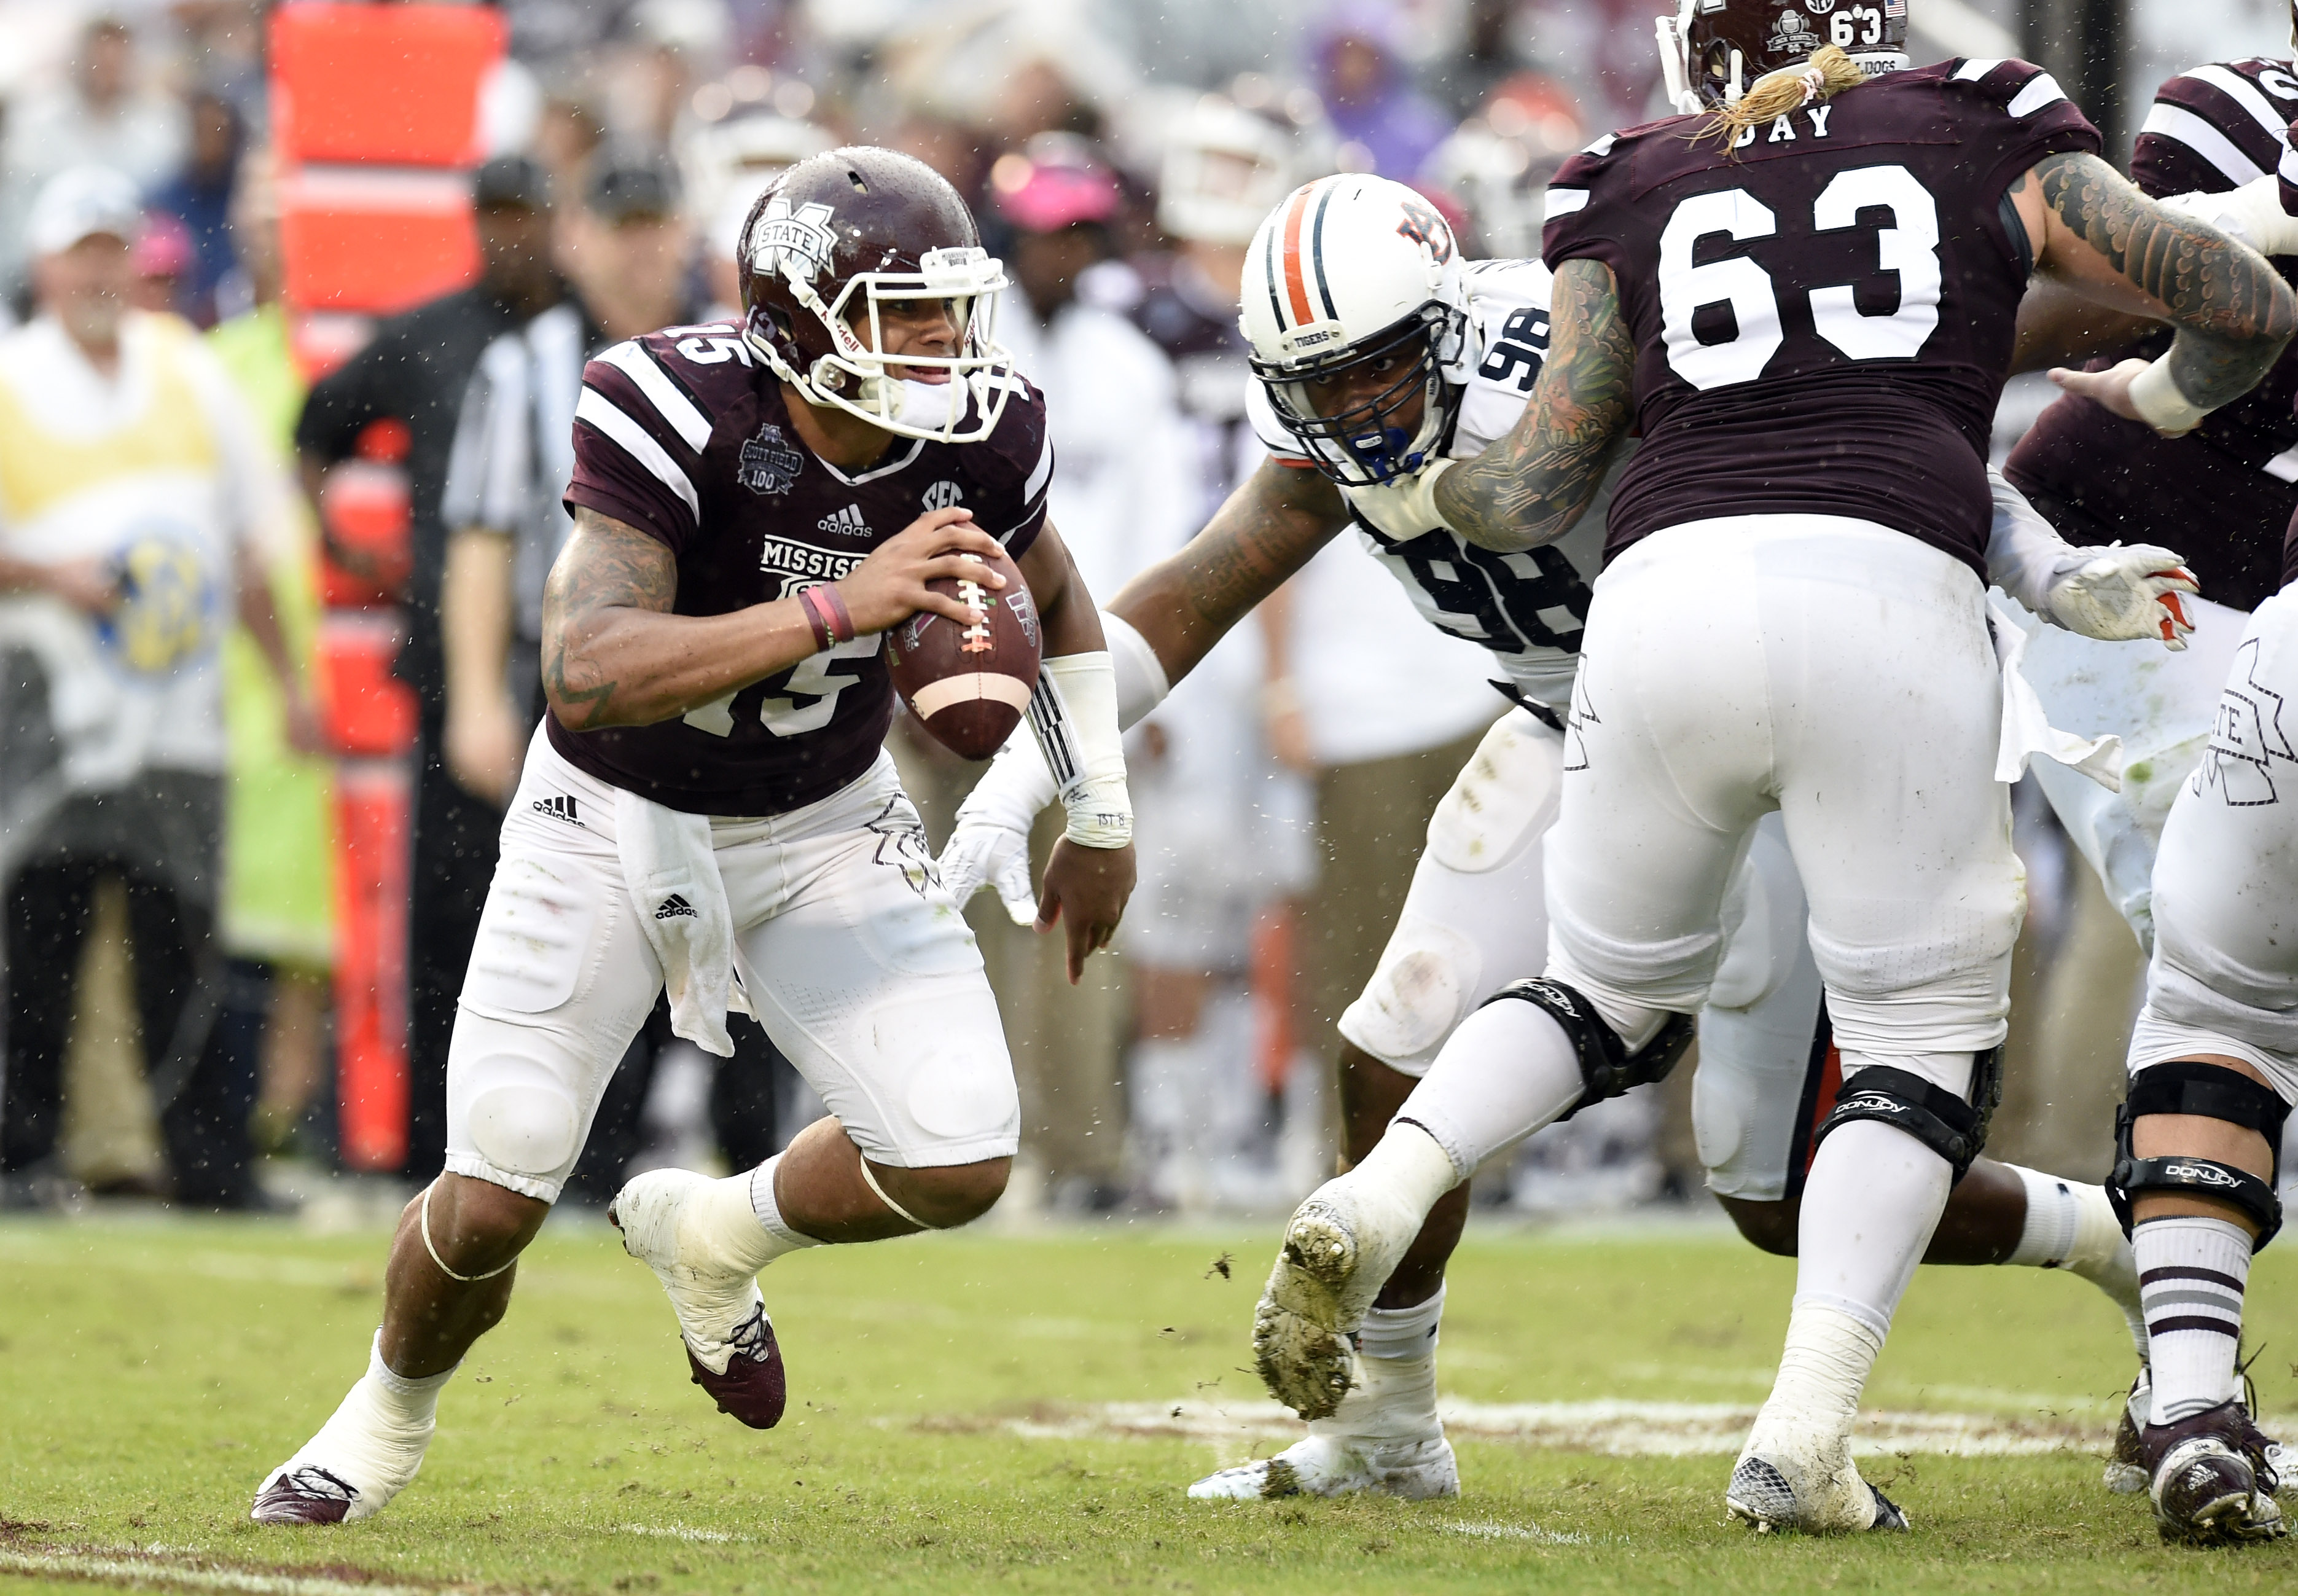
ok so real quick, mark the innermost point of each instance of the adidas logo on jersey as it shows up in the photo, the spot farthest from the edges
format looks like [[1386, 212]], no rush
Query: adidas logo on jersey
[[674, 907], [560, 809], [846, 523]]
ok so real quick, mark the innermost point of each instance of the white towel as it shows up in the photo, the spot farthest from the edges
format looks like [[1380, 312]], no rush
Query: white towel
[[2027, 730], [672, 872]]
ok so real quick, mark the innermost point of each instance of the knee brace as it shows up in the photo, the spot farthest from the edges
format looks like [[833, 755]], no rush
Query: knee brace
[[1954, 1129], [1607, 1067], [2212, 1092]]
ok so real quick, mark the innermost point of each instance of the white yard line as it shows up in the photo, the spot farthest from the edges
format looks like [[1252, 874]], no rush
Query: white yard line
[[130, 1570], [1618, 1429]]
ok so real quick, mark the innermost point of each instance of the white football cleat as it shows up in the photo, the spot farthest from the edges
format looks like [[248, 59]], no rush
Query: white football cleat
[[1341, 1466], [1340, 1249], [361, 1458], [1806, 1483], [679, 1225]]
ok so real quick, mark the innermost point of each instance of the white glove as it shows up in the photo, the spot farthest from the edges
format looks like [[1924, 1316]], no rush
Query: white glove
[[1405, 509], [990, 846], [2124, 593]]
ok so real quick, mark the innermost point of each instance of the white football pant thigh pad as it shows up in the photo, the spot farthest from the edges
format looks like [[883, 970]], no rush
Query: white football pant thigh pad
[[1841, 673], [869, 983], [1475, 918], [1504, 799], [2226, 886], [561, 978], [2162, 706]]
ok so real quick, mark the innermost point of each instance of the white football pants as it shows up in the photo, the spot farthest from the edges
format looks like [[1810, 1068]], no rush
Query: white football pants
[[855, 962], [1841, 674], [2223, 978]]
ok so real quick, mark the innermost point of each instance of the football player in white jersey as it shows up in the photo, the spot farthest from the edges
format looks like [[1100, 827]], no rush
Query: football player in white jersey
[[1379, 351]]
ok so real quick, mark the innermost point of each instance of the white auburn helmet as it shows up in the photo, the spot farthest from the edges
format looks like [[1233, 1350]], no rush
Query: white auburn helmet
[[1349, 270], [1223, 170]]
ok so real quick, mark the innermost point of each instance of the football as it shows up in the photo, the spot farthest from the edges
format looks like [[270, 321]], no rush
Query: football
[[970, 685]]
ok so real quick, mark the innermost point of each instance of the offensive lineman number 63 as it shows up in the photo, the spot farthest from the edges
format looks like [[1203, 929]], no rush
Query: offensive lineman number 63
[[1907, 248]]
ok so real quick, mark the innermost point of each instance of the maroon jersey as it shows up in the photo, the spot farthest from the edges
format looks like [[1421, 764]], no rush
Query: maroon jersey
[[1823, 314], [682, 435], [2221, 494]]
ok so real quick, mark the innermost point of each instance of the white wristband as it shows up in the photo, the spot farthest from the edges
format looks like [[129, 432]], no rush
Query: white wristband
[[2154, 395], [1074, 715]]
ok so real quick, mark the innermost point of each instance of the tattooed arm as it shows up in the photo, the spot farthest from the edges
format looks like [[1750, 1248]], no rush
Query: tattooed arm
[[1530, 486], [1268, 528], [2095, 232], [614, 655]]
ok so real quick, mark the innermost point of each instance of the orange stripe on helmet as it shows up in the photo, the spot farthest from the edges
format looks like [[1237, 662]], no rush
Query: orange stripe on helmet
[[1295, 289]]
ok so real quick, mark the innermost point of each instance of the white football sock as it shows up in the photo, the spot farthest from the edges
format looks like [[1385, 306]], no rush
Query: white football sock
[[1407, 1168], [408, 1405], [2192, 1272], [2071, 1226], [1401, 1332], [1506, 1072], [1872, 1198], [756, 1229]]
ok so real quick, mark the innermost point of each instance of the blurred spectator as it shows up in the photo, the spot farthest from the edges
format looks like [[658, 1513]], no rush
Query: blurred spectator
[[626, 249], [1497, 165], [1385, 124], [136, 503], [99, 115], [414, 371], [1124, 496], [200, 198], [278, 920]]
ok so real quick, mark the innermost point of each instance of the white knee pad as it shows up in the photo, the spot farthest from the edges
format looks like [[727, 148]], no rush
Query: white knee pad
[[1918, 978], [1949, 1071], [524, 1128], [1429, 976], [1502, 800], [940, 1090]]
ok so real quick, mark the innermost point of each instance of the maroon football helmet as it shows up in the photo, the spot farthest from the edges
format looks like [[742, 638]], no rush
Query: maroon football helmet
[[1713, 51], [842, 233]]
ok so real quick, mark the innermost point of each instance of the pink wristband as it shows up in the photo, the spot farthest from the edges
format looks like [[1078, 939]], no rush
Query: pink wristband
[[834, 612]]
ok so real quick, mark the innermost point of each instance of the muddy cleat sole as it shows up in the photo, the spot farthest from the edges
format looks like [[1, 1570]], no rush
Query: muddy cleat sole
[[1333, 1466], [1333, 1263], [303, 1496], [1761, 1495], [2126, 1473]]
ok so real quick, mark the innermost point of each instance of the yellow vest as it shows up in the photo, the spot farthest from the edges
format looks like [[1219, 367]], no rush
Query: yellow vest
[[40, 468]]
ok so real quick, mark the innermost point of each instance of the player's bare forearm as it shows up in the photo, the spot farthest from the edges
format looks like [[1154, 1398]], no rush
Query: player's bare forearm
[[613, 655], [1268, 529], [1072, 622], [2058, 327], [2232, 311], [1528, 488]]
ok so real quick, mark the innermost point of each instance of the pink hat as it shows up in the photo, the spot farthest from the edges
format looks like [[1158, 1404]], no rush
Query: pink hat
[[163, 248], [1044, 196]]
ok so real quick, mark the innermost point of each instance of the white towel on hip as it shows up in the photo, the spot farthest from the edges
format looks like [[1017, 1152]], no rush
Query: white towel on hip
[[2027, 730], [672, 872]]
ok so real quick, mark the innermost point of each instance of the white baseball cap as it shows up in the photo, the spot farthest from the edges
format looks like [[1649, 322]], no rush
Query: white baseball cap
[[82, 202]]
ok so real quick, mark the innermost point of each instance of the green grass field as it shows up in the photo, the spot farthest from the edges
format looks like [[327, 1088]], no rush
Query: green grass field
[[951, 1424]]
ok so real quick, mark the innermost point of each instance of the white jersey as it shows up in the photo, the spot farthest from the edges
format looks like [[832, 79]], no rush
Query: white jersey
[[1527, 608]]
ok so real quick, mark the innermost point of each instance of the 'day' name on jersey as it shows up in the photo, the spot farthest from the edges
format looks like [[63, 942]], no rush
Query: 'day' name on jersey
[[682, 436], [1528, 609]]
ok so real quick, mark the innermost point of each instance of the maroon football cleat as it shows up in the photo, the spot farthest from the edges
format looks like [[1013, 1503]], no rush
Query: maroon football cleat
[[303, 1496], [753, 1389]]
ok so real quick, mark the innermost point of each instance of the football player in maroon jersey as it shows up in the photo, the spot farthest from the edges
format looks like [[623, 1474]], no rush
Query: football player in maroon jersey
[[709, 803], [1802, 292]]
